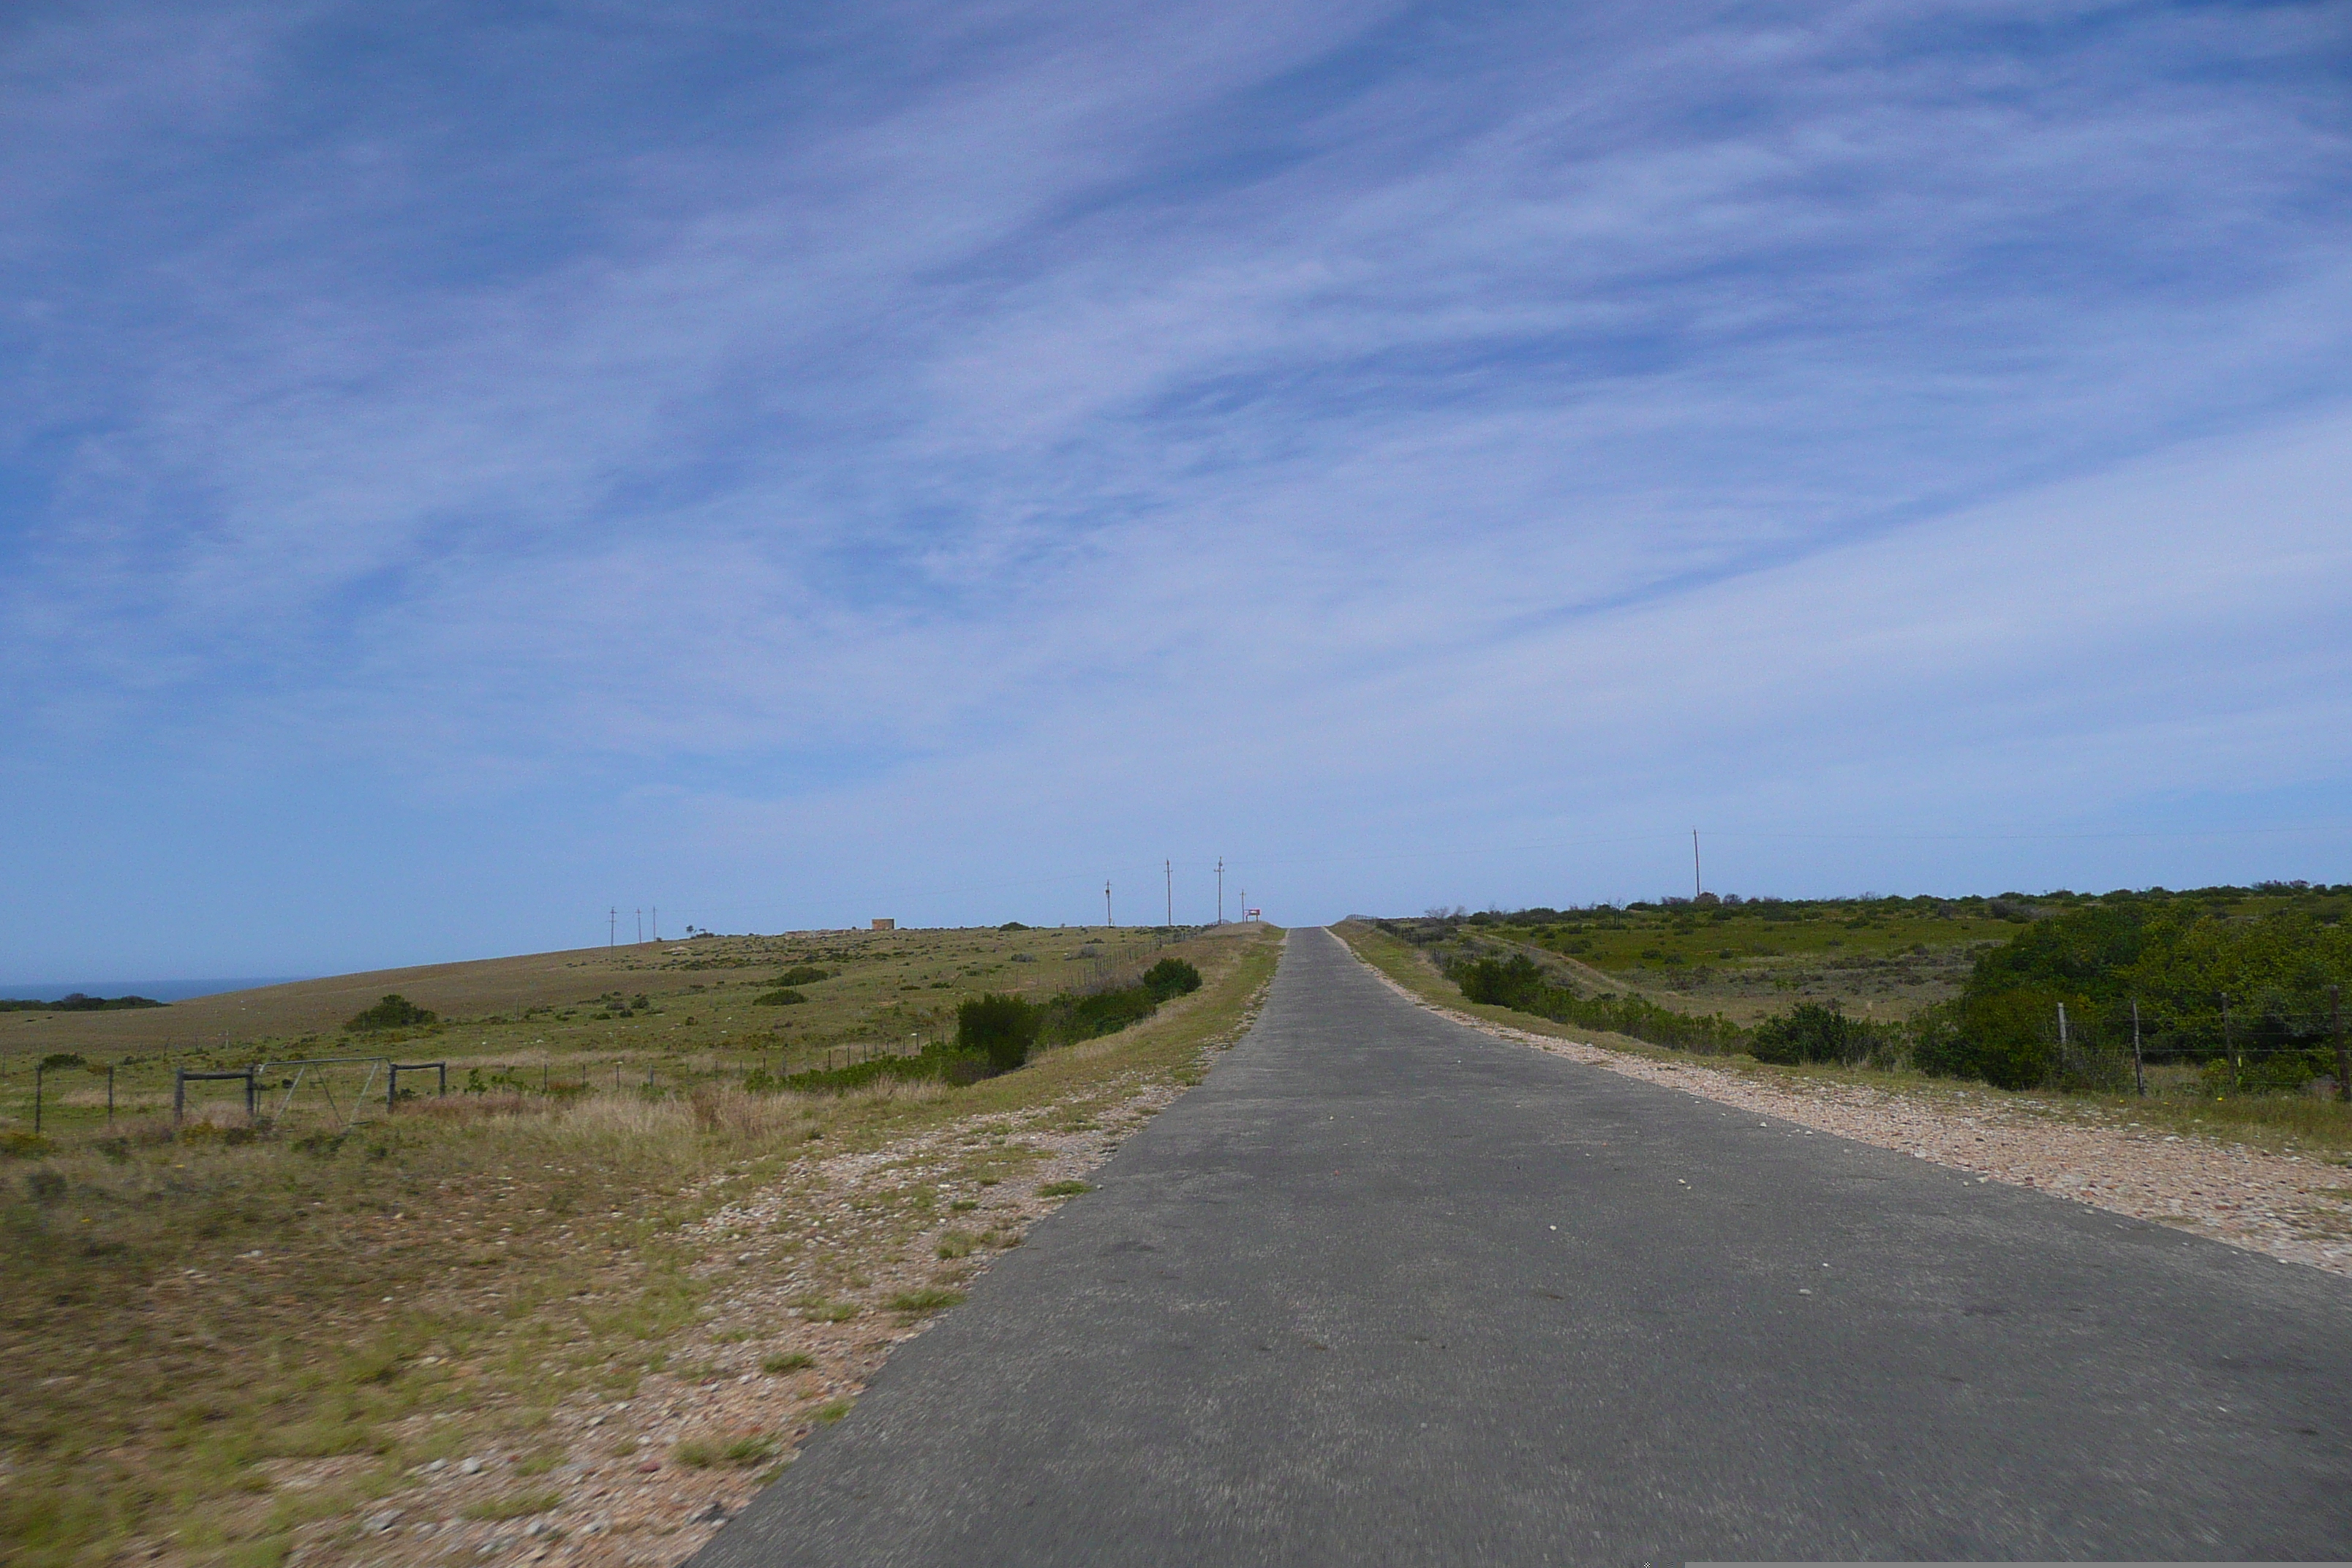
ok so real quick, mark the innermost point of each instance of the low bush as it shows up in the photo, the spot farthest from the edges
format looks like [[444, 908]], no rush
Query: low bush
[[1519, 984], [785, 997], [2006, 1038], [1810, 1032], [1001, 1029], [394, 1012], [940, 1064], [1065, 1020], [801, 974], [1170, 978]]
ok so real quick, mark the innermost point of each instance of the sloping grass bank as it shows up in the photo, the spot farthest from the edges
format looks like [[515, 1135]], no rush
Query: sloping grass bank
[[216, 1339]]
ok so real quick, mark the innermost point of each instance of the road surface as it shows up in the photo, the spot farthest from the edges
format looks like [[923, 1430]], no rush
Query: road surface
[[1387, 1289]]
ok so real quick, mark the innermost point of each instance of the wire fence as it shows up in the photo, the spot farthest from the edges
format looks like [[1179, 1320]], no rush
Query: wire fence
[[2270, 1042], [65, 1095]]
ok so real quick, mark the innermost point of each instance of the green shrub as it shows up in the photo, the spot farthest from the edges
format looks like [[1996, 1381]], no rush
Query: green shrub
[[1810, 1032], [801, 974], [1169, 978], [1519, 983], [2008, 1038], [786, 997], [394, 1012], [1072, 1018], [945, 1063], [1001, 1029]]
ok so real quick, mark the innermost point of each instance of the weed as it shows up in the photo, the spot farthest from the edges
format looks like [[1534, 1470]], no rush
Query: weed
[[819, 1311], [930, 1299], [957, 1244], [1063, 1189], [516, 1505], [791, 1360], [831, 1411]]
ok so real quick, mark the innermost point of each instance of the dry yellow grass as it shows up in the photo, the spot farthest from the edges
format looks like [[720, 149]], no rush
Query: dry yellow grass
[[219, 1347]]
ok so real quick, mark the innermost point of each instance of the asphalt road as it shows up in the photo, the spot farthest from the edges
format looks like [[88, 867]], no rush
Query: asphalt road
[[1386, 1290]]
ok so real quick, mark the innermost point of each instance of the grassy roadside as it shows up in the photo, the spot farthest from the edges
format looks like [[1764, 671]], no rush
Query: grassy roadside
[[219, 1347], [2277, 1124]]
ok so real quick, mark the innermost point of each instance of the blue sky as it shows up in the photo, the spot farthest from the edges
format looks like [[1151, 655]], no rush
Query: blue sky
[[462, 468]]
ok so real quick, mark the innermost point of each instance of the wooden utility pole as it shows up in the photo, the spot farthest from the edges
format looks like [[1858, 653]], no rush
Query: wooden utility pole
[[1107, 919], [1221, 890], [1696, 886], [1168, 869]]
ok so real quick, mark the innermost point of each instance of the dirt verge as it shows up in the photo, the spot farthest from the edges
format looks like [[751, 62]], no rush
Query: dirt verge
[[2295, 1209]]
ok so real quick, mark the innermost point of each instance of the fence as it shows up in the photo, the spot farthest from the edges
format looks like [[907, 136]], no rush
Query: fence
[[2272, 1041], [67, 1096]]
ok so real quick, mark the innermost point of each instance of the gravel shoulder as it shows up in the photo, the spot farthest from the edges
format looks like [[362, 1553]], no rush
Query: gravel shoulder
[[2287, 1206], [811, 1283]]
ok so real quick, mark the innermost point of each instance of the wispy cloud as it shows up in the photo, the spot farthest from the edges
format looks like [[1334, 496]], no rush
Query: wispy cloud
[[969, 436]]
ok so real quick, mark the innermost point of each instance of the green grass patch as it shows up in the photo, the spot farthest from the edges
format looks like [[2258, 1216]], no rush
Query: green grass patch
[[709, 1453], [516, 1505], [931, 1299]]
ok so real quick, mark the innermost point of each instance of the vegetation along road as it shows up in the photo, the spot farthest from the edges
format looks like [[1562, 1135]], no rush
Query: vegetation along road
[[1388, 1289]]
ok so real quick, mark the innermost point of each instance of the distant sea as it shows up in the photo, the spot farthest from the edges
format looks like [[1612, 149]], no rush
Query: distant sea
[[153, 990]]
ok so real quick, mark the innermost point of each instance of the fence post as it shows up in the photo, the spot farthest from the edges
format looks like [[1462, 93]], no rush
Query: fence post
[[251, 1090], [2335, 1024], [179, 1094], [39, 1070], [2139, 1075], [2229, 1042]]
